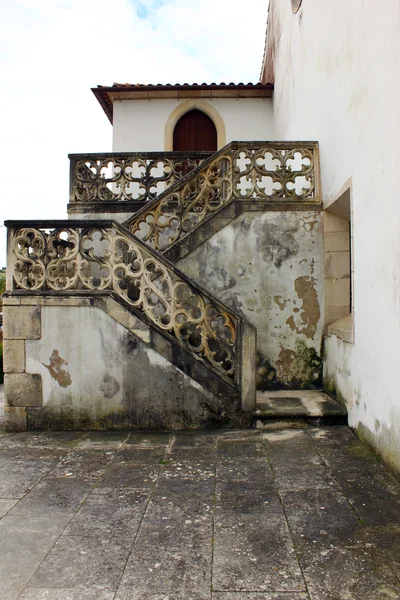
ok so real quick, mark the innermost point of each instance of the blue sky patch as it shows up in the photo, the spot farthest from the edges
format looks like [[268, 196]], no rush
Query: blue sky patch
[[144, 8]]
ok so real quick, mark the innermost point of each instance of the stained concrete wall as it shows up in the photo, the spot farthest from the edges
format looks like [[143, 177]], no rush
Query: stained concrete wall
[[268, 266], [139, 125], [337, 80], [71, 364]]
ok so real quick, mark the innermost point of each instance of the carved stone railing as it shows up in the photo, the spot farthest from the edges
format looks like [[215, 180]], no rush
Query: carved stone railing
[[127, 176], [65, 257], [242, 171]]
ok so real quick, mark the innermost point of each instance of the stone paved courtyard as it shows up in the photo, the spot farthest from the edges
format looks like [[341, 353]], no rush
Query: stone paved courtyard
[[275, 514]]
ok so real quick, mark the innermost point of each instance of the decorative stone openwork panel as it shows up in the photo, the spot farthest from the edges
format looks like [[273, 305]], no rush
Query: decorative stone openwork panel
[[77, 256], [125, 177], [242, 171], [274, 172], [177, 213]]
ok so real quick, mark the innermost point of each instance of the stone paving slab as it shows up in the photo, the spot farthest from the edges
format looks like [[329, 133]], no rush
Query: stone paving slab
[[24, 542], [297, 403], [258, 596], [67, 594], [274, 514]]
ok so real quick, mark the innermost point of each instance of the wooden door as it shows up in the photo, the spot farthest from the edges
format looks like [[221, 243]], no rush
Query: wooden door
[[195, 132]]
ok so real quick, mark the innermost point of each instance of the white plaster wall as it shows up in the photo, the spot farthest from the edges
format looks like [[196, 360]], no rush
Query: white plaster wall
[[337, 80], [139, 125]]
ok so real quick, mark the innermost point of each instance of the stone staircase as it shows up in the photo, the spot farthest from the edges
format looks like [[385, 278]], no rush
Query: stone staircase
[[182, 206]]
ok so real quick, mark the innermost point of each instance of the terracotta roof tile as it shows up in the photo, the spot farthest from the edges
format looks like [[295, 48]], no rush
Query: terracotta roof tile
[[137, 85], [107, 94]]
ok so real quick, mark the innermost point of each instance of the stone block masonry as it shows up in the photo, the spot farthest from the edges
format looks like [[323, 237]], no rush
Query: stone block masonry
[[22, 322]]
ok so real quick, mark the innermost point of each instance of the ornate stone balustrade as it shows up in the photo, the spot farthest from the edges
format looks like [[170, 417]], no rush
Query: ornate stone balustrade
[[67, 257], [242, 171], [127, 177]]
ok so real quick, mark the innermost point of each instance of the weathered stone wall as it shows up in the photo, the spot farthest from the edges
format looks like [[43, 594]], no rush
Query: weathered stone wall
[[74, 363], [268, 266]]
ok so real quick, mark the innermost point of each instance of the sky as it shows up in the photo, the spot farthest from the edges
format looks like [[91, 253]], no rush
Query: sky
[[53, 51]]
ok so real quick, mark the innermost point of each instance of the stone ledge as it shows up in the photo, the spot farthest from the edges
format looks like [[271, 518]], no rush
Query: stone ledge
[[343, 329]]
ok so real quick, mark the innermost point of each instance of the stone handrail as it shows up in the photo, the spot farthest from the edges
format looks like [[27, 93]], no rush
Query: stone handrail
[[127, 176], [67, 257], [266, 171]]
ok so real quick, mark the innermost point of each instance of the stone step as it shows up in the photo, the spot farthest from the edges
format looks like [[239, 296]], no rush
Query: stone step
[[298, 406]]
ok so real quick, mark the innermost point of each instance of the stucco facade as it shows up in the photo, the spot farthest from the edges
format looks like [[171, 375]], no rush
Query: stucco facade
[[143, 125], [336, 71]]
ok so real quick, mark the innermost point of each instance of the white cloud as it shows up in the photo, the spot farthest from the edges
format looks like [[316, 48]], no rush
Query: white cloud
[[53, 51]]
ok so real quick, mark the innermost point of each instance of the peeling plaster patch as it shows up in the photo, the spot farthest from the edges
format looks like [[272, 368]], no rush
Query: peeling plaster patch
[[280, 302], [310, 315], [109, 386], [57, 371], [304, 261], [156, 359], [309, 225]]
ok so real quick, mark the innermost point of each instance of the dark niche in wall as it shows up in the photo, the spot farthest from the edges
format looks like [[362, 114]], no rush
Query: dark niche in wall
[[296, 5]]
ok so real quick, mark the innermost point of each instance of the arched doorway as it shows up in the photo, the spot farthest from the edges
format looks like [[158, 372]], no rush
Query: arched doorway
[[195, 131]]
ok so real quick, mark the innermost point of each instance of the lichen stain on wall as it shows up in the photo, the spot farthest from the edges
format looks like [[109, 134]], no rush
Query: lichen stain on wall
[[276, 243], [300, 367], [311, 313], [57, 370], [109, 386]]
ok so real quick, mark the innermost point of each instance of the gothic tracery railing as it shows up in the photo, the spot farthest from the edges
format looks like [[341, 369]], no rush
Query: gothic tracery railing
[[123, 176], [74, 256], [249, 171]]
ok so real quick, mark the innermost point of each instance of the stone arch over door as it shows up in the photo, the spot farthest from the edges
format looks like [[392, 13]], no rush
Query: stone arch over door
[[185, 107], [195, 131]]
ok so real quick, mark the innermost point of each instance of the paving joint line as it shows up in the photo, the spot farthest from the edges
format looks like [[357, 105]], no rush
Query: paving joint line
[[213, 517], [151, 494], [353, 508], [286, 519]]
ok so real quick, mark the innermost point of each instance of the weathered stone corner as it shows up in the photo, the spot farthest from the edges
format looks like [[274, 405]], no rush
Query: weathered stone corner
[[16, 418], [23, 389], [22, 323]]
